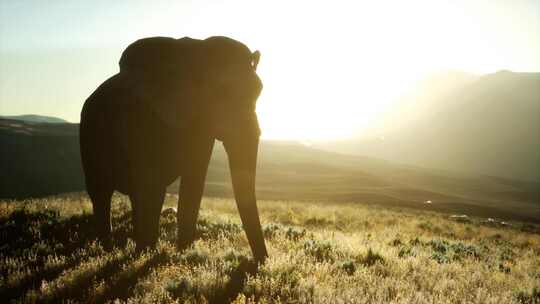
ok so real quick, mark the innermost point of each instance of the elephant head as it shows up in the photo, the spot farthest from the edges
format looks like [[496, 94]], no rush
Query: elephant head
[[185, 79], [235, 86], [212, 83]]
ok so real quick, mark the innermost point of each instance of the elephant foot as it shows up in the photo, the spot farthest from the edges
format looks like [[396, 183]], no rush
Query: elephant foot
[[142, 246], [107, 243], [183, 244], [260, 260], [186, 237], [249, 266], [105, 239]]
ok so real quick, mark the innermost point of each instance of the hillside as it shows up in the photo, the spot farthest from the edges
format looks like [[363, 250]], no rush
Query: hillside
[[39, 159], [318, 253], [43, 159], [486, 125]]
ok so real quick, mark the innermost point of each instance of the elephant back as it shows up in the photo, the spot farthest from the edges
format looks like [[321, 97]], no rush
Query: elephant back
[[158, 55], [160, 72]]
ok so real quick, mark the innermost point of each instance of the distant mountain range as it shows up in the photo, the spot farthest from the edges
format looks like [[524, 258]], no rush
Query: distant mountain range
[[456, 121], [41, 159], [35, 118]]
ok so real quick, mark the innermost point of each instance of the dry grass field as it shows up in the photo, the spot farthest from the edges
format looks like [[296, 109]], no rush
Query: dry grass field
[[319, 253]]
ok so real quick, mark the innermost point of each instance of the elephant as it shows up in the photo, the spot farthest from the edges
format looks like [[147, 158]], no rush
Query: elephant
[[157, 119]]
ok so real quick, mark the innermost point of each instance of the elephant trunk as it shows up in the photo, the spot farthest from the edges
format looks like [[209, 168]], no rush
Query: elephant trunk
[[243, 165]]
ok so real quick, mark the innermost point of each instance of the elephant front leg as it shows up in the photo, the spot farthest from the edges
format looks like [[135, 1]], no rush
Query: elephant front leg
[[188, 212], [191, 191], [146, 205]]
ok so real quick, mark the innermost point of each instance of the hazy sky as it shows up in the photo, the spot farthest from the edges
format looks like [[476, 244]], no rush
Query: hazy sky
[[329, 67]]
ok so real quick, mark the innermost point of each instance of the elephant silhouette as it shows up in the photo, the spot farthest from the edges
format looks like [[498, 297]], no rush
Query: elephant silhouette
[[157, 120]]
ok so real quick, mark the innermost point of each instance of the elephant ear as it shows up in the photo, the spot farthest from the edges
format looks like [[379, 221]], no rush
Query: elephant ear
[[161, 74], [255, 58]]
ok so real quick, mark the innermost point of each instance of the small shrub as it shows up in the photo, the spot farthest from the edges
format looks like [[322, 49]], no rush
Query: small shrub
[[439, 246], [507, 254], [294, 233], [462, 250], [194, 257], [396, 242], [405, 252], [349, 267], [283, 282], [235, 260], [415, 242], [210, 230], [322, 251], [443, 251], [441, 258], [370, 258], [271, 230]]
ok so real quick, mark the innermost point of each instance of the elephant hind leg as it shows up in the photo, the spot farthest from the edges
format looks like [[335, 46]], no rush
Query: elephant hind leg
[[101, 205], [146, 205]]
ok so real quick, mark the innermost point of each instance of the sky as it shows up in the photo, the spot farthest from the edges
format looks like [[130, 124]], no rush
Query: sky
[[330, 68]]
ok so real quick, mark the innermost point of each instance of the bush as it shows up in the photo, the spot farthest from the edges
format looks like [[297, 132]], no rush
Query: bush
[[294, 233], [370, 258], [211, 230], [194, 257], [462, 250], [349, 267], [439, 246], [415, 242], [321, 251], [405, 252], [271, 230], [396, 242], [441, 258], [444, 250]]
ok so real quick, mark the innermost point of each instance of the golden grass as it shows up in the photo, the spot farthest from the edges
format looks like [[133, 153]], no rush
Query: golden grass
[[319, 253]]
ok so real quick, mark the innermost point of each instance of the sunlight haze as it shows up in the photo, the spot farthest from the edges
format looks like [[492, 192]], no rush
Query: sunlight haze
[[329, 68]]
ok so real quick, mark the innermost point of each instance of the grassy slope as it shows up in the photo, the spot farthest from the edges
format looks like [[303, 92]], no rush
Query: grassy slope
[[319, 252]]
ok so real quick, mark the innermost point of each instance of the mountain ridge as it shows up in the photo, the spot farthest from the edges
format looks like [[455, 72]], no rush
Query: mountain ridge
[[33, 118], [490, 125]]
